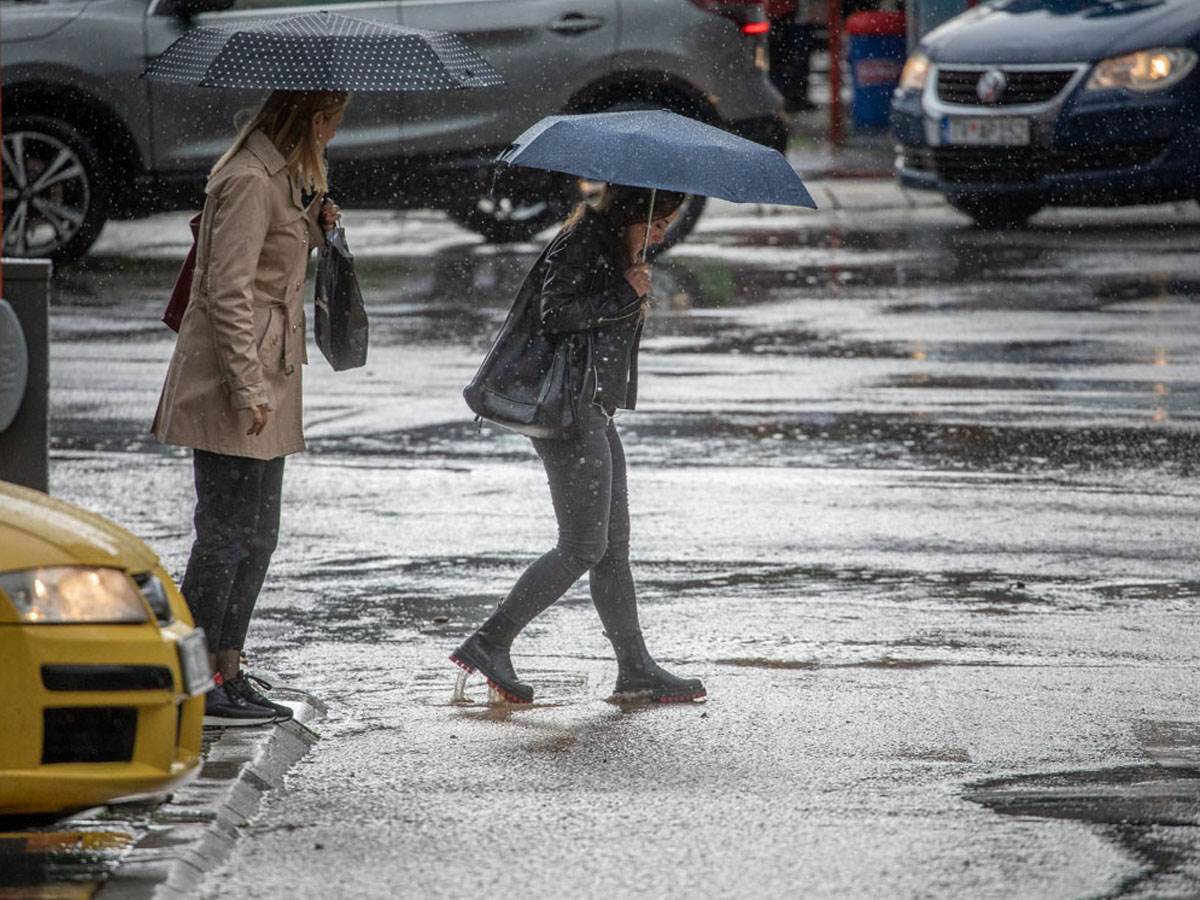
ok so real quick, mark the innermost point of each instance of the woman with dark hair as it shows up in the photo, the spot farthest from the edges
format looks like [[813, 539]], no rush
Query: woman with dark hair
[[591, 279]]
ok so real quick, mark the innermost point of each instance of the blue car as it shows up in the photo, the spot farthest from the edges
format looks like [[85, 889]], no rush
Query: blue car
[[1020, 104]]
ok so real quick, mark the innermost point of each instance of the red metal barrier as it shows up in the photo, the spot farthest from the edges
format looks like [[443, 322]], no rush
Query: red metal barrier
[[837, 129]]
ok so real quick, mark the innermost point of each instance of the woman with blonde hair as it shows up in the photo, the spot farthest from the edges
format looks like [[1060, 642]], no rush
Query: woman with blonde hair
[[233, 388]]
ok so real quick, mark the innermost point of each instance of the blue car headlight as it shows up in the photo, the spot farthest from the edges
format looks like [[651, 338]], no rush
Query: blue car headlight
[[1145, 71], [73, 594]]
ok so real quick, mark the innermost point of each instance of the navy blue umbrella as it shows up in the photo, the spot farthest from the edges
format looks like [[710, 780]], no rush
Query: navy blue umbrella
[[655, 148]]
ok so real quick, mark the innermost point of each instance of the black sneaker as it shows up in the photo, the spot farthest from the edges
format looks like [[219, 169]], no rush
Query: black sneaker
[[224, 708], [244, 685]]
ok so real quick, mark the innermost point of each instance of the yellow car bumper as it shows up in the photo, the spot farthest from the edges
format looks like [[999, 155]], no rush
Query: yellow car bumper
[[93, 713]]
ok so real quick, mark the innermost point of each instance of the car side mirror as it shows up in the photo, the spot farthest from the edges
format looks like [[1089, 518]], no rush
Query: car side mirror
[[188, 8]]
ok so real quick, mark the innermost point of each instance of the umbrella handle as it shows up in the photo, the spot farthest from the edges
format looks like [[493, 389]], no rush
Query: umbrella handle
[[649, 223]]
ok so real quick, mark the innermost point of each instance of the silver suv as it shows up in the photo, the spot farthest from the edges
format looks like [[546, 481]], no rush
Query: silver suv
[[85, 139]]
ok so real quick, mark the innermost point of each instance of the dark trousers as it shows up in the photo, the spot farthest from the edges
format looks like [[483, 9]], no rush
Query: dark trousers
[[791, 44], [237, 528], [591, 502]]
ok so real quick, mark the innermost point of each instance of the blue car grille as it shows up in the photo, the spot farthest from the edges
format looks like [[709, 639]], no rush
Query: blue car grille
[[1021, 165], [1024, 86]]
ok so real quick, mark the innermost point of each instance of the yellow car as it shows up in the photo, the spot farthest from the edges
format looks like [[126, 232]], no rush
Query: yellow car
[[102, 676]]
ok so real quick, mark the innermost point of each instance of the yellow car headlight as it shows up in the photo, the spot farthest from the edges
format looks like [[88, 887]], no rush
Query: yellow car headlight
[[1144, 71], [70, 594], [914, 73]]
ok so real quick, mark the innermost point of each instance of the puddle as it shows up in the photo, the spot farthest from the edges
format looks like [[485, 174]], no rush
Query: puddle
[[1131, 795], [49, 864], [1151, 811]]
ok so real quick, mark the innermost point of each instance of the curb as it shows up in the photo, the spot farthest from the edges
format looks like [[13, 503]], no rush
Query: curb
[[866, 195], [196, 829]]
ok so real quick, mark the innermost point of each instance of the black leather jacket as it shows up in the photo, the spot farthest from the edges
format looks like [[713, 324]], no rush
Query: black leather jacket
[[585, 297]]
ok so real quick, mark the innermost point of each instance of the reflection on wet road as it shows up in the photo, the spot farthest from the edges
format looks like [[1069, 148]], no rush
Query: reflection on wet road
[[916, 500]]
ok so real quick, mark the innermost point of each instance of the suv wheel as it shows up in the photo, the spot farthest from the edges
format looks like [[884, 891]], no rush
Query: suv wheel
[[55, 194], [996, 211], [518, 205], [689, 215]]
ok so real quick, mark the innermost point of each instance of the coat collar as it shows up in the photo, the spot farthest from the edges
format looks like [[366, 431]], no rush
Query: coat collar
[[268, 154], [262, 146]]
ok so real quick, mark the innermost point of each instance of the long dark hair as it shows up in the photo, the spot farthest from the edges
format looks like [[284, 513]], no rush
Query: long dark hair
[[623, 205]]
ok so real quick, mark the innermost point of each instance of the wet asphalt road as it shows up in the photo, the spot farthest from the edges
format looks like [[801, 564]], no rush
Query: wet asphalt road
[[917, 501]]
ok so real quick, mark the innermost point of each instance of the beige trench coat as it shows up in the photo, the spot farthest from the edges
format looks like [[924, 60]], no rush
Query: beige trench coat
[[242, 339]]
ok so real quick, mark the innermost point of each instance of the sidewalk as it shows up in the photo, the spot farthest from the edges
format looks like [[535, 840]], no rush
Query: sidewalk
[[864, 154], [849, 195]]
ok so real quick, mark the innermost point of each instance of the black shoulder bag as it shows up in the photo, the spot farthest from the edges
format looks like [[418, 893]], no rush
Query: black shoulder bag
[[524, 383]]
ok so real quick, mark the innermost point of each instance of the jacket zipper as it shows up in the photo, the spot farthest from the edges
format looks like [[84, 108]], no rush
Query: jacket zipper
[[628, 315], [595, 371]]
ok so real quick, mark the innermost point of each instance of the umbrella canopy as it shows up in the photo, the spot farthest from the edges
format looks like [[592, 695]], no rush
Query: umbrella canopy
[[660, 149], [322, 51]]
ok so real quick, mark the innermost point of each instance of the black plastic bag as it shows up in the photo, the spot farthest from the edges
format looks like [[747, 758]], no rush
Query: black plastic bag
[[341, 322]]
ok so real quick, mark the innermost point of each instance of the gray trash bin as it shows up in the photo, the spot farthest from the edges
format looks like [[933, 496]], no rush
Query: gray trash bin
[[25, 373]]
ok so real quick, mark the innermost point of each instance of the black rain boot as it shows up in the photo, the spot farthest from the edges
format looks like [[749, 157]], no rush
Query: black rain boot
[[639, 677], [487, 651]]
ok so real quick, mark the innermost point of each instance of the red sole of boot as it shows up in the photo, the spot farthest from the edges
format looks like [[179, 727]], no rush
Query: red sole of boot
[[507, 695], [682, 698]]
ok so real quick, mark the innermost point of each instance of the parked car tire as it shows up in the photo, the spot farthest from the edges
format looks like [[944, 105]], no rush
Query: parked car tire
[[516, 205], [993, 211], [55, 189]]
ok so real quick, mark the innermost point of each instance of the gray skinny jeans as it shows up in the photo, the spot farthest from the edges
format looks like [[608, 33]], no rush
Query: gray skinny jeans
[[591, 502]]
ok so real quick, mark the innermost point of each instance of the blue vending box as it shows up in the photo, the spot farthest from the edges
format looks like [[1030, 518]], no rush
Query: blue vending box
[[877, 50]]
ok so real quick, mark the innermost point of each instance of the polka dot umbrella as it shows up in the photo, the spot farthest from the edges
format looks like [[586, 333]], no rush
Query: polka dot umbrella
[[322, 51]]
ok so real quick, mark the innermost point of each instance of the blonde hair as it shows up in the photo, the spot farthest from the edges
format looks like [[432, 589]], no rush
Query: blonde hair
[[286, 117]]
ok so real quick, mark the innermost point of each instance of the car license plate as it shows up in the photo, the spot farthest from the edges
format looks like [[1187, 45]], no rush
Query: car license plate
[[985, 131], [193, 660]]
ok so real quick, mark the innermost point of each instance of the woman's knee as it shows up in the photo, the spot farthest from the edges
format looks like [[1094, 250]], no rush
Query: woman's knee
[[220, 540], [617, 551], [262, 541], [582, 553]]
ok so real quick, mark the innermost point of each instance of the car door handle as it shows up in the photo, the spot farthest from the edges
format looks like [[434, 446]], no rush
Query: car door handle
[[575, 23]]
